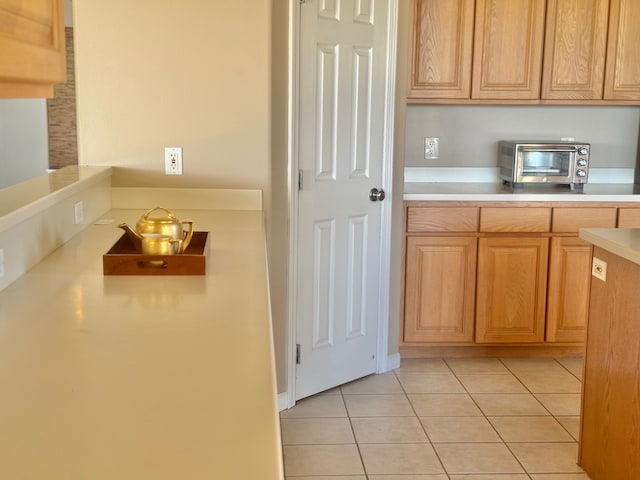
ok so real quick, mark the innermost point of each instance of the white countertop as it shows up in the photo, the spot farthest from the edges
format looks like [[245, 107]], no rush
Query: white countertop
[[595, 192], [624, 242], [141, 378], [26, 199]]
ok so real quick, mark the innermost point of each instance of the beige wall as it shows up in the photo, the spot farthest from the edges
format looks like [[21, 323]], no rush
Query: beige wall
[[278, 227], [397, 238], [195, 74]]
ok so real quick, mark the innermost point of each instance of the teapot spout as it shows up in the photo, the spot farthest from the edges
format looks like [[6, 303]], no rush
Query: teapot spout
[[135, 237]]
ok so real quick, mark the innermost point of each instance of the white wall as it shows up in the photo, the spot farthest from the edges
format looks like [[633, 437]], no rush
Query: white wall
[[24, 146], [468, 133]]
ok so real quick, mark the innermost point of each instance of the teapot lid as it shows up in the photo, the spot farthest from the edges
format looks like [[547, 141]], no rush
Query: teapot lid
[[168, 218]]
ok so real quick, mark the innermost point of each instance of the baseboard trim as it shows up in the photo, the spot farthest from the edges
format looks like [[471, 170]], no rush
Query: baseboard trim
[[466, 351], [283, 401], [393, 362]]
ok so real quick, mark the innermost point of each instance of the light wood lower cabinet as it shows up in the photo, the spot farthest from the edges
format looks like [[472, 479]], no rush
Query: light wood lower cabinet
[[629, 218], [511, 289], [440, 289], [503, 274], [568, 292]]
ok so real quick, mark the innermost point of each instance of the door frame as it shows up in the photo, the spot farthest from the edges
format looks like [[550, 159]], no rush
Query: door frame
[[383, 362]]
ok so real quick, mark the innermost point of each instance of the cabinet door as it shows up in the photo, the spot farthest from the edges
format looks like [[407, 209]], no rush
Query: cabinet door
[[32, 56], [440, 289], [568, 292], [574, 52], [507, 52], [622, 77], [441, 51], [511, 287]]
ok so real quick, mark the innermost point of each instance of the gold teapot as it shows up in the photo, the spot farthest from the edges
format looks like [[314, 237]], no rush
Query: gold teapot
[[159, 234]]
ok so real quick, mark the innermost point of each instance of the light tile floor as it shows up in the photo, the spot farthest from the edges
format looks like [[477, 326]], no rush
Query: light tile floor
[[442, 419]]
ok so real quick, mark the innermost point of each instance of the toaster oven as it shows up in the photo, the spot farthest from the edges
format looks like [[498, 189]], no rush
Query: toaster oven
[[544, 162]]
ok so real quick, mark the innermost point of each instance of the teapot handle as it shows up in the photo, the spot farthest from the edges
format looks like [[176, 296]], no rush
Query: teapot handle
[[187, 236], [169, 214]]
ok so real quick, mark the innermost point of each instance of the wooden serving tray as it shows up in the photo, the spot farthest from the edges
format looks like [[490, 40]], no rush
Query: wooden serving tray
[[124, 259]]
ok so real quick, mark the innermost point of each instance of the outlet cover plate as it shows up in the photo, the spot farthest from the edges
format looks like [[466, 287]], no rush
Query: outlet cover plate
[[599, 269], [78, 213], [431, 148], [173, 160]]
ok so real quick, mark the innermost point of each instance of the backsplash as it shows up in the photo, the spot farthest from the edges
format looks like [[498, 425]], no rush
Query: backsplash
[[468, 134], [61, 115]]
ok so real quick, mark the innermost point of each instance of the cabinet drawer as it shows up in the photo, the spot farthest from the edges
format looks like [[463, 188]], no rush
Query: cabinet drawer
[[573, 219], [515, 219], [442, 219], [629, 218]]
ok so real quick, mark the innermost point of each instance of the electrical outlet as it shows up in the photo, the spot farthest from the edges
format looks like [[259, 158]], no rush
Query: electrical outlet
[[78, 213], [599, 269], [1, 262], [431, 148], [173, 160]]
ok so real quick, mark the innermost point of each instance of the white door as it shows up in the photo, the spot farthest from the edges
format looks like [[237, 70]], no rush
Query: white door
[[343, 88]]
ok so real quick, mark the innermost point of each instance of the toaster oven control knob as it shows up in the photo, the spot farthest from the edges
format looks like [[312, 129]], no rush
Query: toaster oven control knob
[[582, 151], [581, 173], [582, 162]]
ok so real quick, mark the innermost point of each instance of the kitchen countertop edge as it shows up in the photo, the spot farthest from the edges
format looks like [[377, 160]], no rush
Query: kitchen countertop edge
[[605, 192], [624, 242]]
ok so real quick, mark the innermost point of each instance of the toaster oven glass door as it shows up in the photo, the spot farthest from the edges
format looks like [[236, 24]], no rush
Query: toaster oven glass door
[[545, 163]]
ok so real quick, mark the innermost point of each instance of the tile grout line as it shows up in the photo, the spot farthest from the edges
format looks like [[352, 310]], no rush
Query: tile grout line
[[538, 400], [353, 432], [444, 469], [543, 406], [485, 416]]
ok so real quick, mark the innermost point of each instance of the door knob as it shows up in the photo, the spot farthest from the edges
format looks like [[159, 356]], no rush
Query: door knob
[[376, 195]]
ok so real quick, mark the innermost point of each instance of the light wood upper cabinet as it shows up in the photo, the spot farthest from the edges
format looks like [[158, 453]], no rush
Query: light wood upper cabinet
[[32, 48], [575, 49], [622, 80], [507, 53], [441, 49], [525, 51]]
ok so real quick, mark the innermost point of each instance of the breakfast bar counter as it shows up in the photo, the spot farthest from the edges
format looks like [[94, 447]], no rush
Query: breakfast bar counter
[[141, 377], [610, 418]]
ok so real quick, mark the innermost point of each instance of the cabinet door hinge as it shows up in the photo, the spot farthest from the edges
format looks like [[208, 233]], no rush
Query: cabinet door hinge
[[297, 354], [300, 180]]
